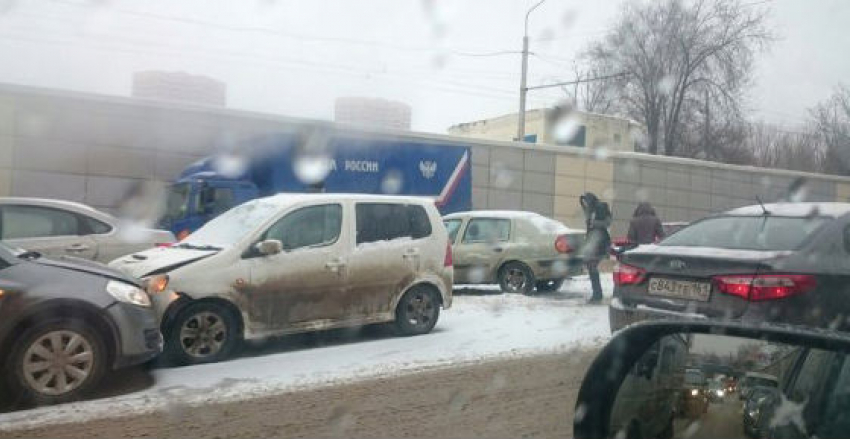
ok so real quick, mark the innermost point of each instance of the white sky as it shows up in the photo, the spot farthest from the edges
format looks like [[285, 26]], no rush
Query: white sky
[[295, 57]]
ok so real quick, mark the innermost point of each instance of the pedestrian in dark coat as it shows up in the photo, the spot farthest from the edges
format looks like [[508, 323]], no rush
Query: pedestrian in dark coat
[[645, 227], [597, 216]]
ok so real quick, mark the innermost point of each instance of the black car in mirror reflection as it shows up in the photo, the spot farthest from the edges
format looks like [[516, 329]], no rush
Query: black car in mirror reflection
[[639, 384]]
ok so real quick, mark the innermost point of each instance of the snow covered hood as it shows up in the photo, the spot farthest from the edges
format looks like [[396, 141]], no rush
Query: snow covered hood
[[711, 252], [158, 260]]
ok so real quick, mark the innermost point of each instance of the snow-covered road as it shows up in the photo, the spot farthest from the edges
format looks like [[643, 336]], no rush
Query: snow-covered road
[[482, 324]]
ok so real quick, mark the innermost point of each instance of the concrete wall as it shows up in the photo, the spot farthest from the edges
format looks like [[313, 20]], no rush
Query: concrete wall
[[94, 149]]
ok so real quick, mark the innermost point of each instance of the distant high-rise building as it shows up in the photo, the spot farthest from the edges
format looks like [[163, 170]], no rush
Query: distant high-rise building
[[372, 112], [179, 87]]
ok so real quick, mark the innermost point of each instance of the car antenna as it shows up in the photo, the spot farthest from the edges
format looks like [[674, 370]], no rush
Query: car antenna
[[763, 209]]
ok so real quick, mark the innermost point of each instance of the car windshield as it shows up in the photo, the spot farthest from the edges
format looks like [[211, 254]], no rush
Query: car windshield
[[694, 377], [769, 233], [177, 201], [412, 218], [232, 226]]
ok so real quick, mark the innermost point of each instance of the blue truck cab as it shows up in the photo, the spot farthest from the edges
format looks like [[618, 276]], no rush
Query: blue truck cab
[[355, 163]]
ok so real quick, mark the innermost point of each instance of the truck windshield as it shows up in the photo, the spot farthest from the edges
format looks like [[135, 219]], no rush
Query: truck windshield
[[228, 228], [177, 204]]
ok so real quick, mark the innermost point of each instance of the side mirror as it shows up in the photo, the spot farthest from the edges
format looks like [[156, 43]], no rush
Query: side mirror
[[615, 401], [269, 247]]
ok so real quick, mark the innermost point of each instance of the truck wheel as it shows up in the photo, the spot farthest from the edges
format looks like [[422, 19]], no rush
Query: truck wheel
[[516, 277], [56, 362], [548, 286], [417, 311], [203, 332]]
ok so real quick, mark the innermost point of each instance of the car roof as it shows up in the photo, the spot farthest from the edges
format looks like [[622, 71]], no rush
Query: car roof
[[761, 375], [59, 204], [288, 199], [801, 209], [508, 214]]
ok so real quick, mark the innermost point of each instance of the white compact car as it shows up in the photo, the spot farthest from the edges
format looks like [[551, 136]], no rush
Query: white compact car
[[64, 228], [296, 263]]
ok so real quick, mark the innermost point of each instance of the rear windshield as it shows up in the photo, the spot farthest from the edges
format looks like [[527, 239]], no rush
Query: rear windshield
[[747, 233], [693, 377]]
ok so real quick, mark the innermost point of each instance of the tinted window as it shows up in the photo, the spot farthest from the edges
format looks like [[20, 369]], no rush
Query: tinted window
[[308, 227], [386, 221], [487, 230], [34, 222], [452, 226], [810, 378], [747, 233], [836, 423]]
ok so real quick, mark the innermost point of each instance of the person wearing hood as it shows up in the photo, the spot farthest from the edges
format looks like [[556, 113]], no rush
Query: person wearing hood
[[597, 216], [645, 227]]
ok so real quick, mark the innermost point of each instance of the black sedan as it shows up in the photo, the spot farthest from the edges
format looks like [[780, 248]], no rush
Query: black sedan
[[786, 263], [64, 323]]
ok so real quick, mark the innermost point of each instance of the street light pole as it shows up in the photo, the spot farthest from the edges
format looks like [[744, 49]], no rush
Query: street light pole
[[523, 90]]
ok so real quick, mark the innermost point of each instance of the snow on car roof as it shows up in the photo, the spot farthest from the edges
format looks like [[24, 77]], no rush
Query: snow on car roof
[[495, 214], [801, 209], [288, 199]]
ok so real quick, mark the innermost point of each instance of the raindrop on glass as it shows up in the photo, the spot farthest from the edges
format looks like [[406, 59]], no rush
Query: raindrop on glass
[[392, 182]]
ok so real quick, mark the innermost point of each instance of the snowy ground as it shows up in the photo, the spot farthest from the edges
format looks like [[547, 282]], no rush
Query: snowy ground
[[482, 324]]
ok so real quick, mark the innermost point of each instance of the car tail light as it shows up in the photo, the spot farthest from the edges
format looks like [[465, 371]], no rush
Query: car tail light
[[562, 244], [628, 275], [447, 262], [764, 286]]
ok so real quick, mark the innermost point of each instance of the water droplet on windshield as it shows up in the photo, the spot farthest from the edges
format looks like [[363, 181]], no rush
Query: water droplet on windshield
[[477, 275], [458, 401], [642, 194], [392, 182], [312, 167], [230, 165], [497, 383], [341, 419], [500, 176], [601, 153], [140, 208], [566, 127], [580, 412], [667, 84]]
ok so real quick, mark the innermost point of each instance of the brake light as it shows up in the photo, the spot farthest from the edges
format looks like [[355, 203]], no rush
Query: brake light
[[628, 275], [562, 244], [447, 261], [764, 286]]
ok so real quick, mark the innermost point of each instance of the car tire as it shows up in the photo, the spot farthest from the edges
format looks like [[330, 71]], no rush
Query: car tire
[[202, 332], [516, 277], [548, 286], [56, 362], [417, 311]]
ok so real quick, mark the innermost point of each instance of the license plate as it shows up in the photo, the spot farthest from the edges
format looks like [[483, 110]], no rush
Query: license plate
[[680, 289]]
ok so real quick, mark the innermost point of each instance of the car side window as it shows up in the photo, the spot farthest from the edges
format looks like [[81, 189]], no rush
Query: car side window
[[95, 226], [487, 230], [452, 226], [308, 227], [387, 221], [37, 222]]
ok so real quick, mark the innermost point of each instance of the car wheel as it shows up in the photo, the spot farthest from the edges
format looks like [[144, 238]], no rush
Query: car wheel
[[56, 362], [548, 286], [203, 332], [516, 277], [417, 311]]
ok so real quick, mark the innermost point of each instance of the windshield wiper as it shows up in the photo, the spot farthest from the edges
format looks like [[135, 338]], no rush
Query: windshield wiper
[[29, 255], [197, 247]]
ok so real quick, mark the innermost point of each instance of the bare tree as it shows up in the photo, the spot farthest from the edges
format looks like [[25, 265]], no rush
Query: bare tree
[[832, 122], [675, 53], [774, 147]]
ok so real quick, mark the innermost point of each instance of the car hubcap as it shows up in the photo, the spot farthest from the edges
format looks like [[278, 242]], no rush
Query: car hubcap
[[58, 362], [203, 334], [420, 309], [516, 279]]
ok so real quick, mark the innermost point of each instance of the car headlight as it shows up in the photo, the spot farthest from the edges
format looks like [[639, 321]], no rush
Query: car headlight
[[124, 292], [156, 284], [694, 392]]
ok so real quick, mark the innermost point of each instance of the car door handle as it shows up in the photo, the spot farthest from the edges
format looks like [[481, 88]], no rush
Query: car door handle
[[76, 248], [498, 249], [335, 266], [411, 253]]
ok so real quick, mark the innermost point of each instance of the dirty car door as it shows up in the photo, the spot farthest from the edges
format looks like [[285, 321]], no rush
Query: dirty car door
[[300, 283], [51, 232], [481, 249]]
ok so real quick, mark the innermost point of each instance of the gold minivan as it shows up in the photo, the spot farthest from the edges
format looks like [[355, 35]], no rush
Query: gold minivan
[[518, 250]]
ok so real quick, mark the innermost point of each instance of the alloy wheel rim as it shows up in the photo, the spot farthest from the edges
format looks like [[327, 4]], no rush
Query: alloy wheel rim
[[58, 362], [203, 334], [516, 279], [420, 309]]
